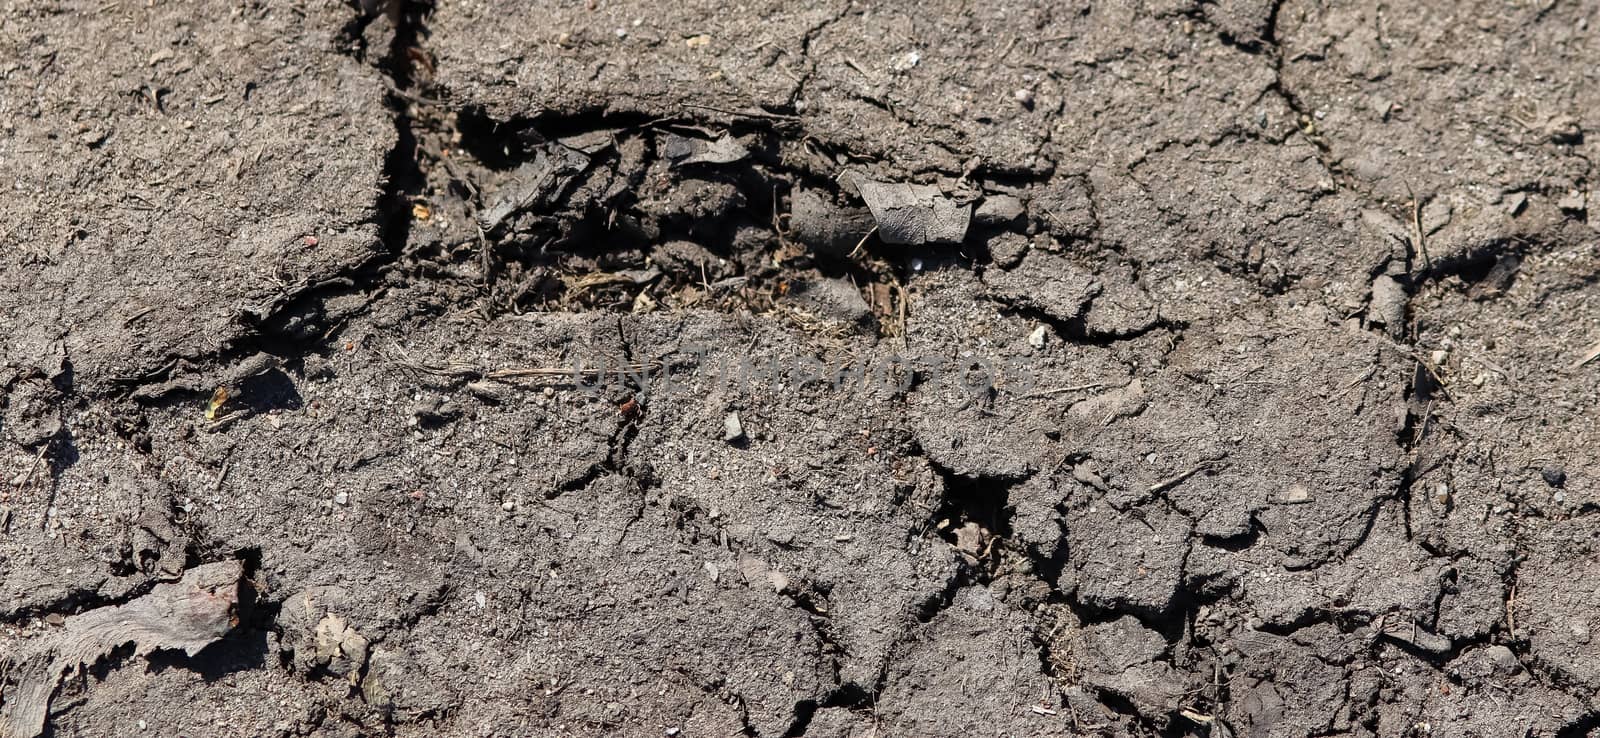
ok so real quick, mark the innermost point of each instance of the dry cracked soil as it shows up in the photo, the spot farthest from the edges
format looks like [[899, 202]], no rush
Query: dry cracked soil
[[828, 370]]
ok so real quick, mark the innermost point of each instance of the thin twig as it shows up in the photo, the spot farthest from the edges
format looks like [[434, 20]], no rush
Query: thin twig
[[1061, 390], [1416, 228], [222, 474], [904, 308], [460, 369], [862, 243], [1171, 482], [515, 372], [34, 468], [747, 114]]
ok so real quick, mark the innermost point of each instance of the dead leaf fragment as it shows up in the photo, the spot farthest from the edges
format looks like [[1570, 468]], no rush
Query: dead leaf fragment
[[219, 397], [680, 150], [913, 215], [186, 615], [536, 184]]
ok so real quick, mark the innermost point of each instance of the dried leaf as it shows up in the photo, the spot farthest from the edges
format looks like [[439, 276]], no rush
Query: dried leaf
[[725, 149], [912, 214], [218, 398], [186, 615]]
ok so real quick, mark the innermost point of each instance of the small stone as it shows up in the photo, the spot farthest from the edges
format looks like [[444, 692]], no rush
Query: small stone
[[1441, 494], [1036, 338], [341, 498], [1554, 476], [1024, 96], [1515, 203], [732, 428], [508, 506], [1440, 357], [1296, 494]]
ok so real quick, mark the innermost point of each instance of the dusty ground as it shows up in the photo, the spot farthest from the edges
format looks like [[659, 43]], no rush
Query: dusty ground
[[542, 368]]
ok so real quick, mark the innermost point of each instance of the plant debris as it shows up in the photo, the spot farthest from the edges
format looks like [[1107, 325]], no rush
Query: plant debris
[[680, 150], [914, 215], [537, 183], [186, 615]]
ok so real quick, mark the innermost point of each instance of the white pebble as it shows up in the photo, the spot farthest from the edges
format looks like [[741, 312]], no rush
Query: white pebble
[[1036, 338]]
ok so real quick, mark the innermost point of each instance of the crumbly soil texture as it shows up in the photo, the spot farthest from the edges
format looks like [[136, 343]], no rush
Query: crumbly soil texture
[[829, 370]]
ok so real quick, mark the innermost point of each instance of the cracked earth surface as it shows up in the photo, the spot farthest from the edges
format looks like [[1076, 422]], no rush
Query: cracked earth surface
[[541, 366]]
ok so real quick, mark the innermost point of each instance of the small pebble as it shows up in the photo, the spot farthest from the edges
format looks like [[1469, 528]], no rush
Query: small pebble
[[1554, 476], [1036, 338], [342, 498], [732, 428]]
